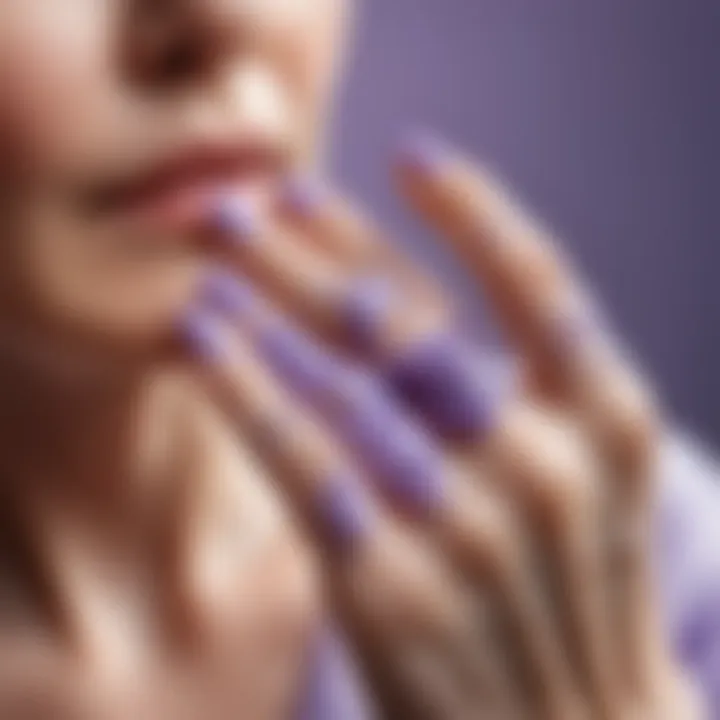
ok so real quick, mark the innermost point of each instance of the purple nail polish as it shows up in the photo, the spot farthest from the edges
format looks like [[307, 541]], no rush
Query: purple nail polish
[[440, 379], [235, 218], [343, 512], [421, 153], [309, 370], [402, 459], [227, 294], [366, 305], [203, 336], [302, 196]]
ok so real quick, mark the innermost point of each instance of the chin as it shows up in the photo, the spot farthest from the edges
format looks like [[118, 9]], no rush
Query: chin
[[115, 323]]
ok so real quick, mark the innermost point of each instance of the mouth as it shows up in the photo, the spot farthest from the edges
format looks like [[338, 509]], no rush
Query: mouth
[[179, 189]]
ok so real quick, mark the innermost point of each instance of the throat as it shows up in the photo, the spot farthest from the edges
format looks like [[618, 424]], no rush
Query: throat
[[90, 488], [98, 452]]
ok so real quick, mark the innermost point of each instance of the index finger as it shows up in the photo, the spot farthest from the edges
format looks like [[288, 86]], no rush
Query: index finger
[[527, 278]]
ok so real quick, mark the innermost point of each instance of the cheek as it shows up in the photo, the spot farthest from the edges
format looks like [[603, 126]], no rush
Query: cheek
[[310, 42], [317, 50], [49, 65]]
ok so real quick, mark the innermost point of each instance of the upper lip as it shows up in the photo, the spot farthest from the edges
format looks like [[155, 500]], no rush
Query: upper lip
[[198, 162]]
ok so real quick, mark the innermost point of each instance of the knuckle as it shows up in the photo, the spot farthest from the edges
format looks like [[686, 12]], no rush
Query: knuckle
[[632, 423], [564, 491], [484, 530], [394, 587], [553, 468], [497, 540], [544, 269]]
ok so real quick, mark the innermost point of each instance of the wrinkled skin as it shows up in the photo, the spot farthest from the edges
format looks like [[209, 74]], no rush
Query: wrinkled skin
[[173, 511]]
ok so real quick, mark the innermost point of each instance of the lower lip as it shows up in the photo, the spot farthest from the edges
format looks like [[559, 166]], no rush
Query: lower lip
[[191, 206]]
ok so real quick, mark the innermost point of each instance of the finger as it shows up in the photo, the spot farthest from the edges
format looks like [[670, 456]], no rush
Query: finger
[[393, 590], [547, 468], [440, 366], [312, 470], [617, 412], [331, 223], [553, 322], [402, 461], [313, 465], [341, 302], [522, 270], [401, 458], [428, 366], [533, 290], [481, 531], [465, 523], [459, 515], [419, 610], [359, 305], [426, 362], [304, 282], [328, 221]]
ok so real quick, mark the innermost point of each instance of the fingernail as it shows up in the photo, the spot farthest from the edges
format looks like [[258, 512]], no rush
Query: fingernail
[[203, 336], [366, 306], [227, 294], [235, 218], [302, 196], [309, 370], [440, 380], [421, 152], [343, 512], [406, 465]]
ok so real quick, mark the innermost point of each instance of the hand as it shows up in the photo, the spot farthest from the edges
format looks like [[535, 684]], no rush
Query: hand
[[489, 555]]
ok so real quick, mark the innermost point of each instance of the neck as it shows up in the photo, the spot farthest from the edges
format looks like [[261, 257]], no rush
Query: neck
[[78, 442], [89, 491]]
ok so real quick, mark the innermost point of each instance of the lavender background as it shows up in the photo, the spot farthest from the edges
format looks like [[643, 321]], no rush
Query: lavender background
[[604, 115]]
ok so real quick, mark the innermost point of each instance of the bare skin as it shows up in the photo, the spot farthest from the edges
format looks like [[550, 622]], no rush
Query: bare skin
[[148, 553], [197, 597], [520, 586], [162, 542]]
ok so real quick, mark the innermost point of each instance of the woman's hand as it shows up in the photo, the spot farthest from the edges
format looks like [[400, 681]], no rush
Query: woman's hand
[[488, 552]]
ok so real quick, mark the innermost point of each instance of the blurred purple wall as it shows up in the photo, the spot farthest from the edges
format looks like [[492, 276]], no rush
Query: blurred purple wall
[[604, 114]]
